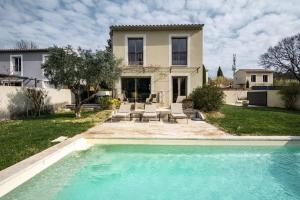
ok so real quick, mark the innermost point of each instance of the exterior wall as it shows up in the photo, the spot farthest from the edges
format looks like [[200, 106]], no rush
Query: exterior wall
[[157, 59], [274, 99], [12, 100], [31, 65], [231, 96], [239, 78], [259, 79]]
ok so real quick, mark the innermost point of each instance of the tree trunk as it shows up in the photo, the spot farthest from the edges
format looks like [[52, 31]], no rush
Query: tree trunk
[[77, 105]]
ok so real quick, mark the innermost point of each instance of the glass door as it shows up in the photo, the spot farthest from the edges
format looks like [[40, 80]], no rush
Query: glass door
[[179, 87], [136, 89]]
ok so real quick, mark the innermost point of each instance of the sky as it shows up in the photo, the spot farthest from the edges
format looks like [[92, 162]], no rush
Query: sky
[[244, 27]]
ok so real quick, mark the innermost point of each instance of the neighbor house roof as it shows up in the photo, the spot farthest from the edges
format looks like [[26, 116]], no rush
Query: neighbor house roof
[[156, 27], [256, 70], [22, 50]]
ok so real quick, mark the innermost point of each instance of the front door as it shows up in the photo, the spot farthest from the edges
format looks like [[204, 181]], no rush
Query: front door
[[179, 87]]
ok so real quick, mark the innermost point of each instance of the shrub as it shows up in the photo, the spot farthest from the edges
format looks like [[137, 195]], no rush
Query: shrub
[[187, 103], [104, 102], [115, 103], [289, 95], [109, 103], [207, 98]]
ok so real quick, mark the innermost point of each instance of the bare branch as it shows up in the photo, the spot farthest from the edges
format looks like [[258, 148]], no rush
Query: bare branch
[[284, 57]]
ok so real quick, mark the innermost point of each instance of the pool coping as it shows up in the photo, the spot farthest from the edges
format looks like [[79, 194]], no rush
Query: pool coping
[[17, 174]]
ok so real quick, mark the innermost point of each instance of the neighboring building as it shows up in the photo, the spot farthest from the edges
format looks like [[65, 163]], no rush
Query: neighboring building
[[246, 78], [163, 60], [22, 67]]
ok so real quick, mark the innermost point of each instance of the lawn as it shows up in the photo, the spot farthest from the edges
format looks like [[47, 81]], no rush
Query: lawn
[[256, 121], [20, 139]]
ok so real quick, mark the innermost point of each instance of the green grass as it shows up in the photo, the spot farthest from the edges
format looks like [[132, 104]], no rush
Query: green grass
[[257, 121], [20, 139]]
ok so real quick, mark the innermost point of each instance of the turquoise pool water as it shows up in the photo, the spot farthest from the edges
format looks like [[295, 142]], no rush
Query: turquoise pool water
[[169, 172]]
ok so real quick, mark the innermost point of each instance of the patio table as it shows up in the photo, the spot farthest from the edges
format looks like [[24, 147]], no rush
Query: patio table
[[138, 112]]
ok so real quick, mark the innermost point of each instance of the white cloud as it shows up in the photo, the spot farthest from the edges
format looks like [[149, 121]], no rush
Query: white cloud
[[244, 27]]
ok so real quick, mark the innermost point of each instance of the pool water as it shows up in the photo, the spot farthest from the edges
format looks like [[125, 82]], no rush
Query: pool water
[[169, 172]]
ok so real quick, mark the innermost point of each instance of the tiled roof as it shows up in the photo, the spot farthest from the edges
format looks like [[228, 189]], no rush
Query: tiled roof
[[156, 27], [22, 50], [255, 70]]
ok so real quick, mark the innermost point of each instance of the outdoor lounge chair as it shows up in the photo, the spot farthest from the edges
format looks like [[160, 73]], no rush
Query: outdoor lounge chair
[[150, 112], [180, 99], [177, 112], [123, 112]]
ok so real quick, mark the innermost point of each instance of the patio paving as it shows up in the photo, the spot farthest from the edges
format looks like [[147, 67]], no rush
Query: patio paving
[[154, 129]]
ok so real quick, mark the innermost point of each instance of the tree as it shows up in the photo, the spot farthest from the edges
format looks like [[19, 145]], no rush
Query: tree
[[284, 57], [222, 82], [81, 71], [36, 97], [220, 72], [23, 44], [289, 95]]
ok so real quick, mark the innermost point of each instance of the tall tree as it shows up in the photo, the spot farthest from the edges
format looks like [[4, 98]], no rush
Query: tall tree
[[220, 72], [284, 57], [23, 44], [81, 70]]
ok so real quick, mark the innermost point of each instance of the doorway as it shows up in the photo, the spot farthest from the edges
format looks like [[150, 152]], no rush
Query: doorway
[[179, 87], [136, 89]]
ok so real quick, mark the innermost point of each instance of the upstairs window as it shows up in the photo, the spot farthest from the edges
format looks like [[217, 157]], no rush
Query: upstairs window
[[17, 63], [179, 51], [253, 78], [135, 51], [265, 78]]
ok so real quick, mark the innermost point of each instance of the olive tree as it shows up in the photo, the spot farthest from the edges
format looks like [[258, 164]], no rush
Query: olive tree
[[81, 70]]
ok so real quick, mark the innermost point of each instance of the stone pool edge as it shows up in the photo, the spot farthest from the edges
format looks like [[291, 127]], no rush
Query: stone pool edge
[[17, 174]]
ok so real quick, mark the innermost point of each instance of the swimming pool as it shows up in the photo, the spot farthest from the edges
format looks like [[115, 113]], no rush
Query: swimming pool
[[169, 172]]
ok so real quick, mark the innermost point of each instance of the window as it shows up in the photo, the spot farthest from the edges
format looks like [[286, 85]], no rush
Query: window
[[17, 63], [253, 78], [135, 51], [179, 51], [265, 78]]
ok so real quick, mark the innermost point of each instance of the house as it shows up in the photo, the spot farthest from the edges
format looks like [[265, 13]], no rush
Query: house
[[246, 78], [22, 67], [161, 60]]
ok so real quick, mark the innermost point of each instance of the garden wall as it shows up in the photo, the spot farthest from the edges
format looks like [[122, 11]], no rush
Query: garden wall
[[231, 96], [13, 102], [274, 99]]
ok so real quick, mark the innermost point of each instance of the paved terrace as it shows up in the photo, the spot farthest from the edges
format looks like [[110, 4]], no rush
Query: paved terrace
[[154, 129]]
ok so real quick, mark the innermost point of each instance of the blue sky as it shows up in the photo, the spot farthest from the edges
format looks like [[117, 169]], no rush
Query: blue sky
[[244, 27]]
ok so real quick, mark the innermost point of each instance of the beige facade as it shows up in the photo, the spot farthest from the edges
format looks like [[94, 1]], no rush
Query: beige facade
[[255, 77], [157, 57]]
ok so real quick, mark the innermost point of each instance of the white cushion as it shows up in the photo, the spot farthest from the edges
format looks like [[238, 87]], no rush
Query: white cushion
[[174, 115], [149, 115], [176, 108]]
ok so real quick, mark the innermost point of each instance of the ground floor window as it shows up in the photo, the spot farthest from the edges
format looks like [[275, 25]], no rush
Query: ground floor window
[[179, 86], [136, 89]]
